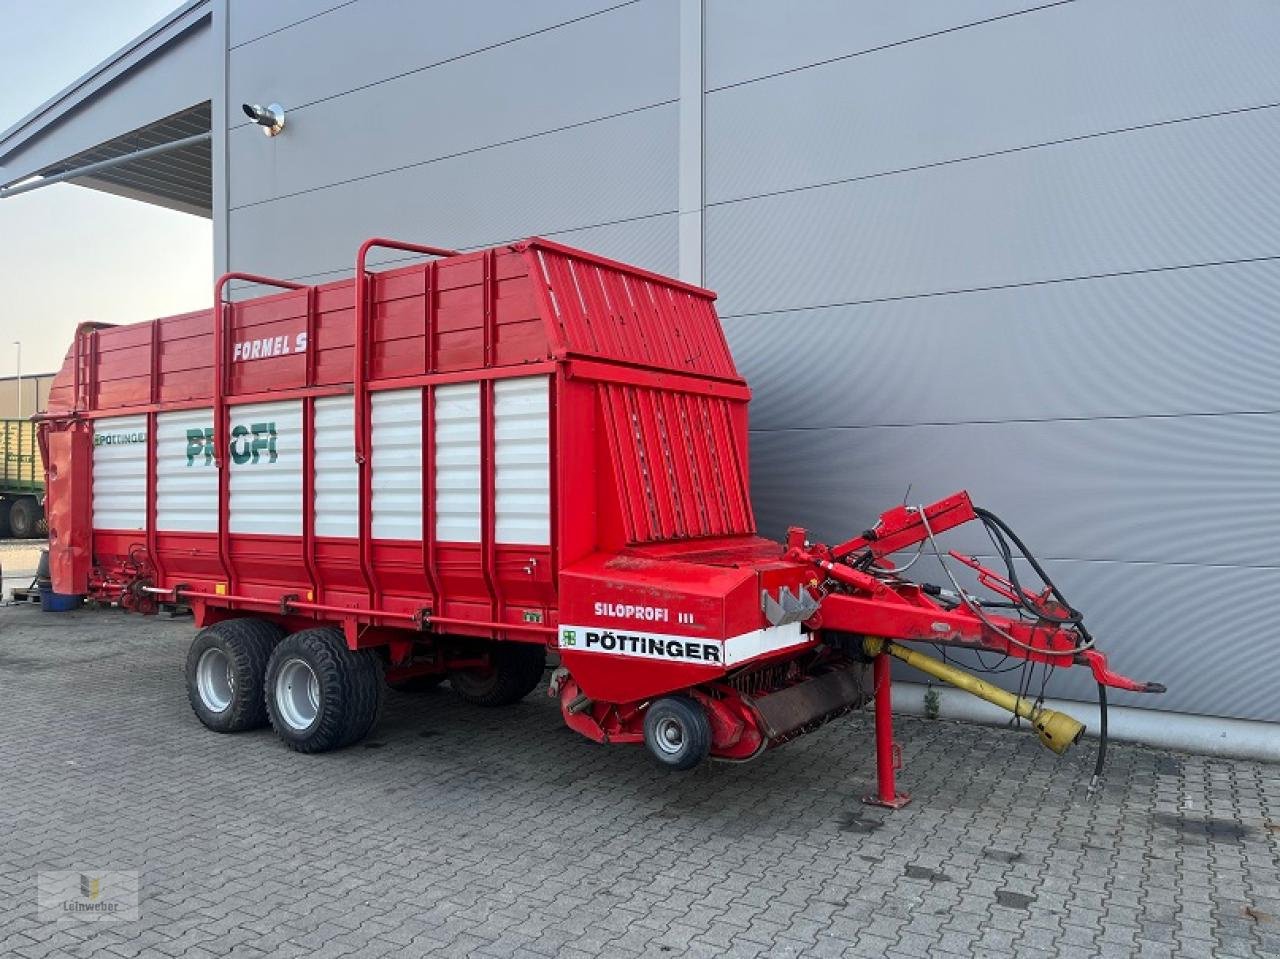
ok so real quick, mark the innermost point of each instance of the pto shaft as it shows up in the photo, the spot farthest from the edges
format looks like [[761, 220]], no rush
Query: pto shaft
[[1056, 730]]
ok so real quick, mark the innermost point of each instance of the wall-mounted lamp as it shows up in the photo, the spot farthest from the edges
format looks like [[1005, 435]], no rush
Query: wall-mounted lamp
[[270, 117]]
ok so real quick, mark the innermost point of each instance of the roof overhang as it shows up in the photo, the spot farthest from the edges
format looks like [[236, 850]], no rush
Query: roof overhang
[[137, 125]]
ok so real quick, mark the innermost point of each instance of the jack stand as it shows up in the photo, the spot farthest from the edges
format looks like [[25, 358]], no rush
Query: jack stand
[[888, 755]]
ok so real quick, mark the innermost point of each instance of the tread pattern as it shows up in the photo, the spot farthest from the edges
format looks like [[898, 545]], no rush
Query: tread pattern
[[517, 671], [351, 690], [248, 643], [25, 517]]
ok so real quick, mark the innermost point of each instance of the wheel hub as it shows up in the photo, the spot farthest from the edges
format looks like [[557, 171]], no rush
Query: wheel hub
[[670, 736], [297, 694], [215, 680]]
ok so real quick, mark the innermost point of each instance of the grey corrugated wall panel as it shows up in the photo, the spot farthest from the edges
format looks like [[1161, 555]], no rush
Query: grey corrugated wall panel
[[372, 40], [1013, 83], [1192, 192], [754, 38], [649, 242], [248, 20], [1170, 624], [540, 83], [1194, 489], [1199, 340], [603, 172]]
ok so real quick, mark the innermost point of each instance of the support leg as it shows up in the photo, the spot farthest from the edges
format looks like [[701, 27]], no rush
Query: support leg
[[886, 794]]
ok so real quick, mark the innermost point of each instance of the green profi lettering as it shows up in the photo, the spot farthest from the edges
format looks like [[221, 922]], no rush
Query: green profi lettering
[[241, 450], [264, 439], [200, 444], [248, 444]]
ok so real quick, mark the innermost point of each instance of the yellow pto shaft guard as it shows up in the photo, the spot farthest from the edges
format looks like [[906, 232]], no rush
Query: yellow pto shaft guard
[[1056, 730]]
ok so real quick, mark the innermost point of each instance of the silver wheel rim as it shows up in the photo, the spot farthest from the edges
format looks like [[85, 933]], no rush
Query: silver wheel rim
[[215, 680], [297, 694], [669, 735]]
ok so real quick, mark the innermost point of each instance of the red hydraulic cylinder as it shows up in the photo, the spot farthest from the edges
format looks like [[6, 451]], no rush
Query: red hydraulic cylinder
[[886, 793]]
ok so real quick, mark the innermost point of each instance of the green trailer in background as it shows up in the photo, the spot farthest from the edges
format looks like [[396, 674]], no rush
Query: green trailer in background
[[21, 481]]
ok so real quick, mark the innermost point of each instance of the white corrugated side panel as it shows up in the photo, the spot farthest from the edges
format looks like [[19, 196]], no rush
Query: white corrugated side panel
[[266, 483], [120, 472], [457, 459], [522, 460], [397, 464], [337, 481], [186, 477]]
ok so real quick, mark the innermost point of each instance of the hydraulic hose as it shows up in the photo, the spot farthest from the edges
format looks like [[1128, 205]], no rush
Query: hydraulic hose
[[1102, 738], [990, 519]]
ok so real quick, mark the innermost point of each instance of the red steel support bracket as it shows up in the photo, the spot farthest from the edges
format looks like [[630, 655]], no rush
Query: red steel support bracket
[[360, 388], [221, 426]]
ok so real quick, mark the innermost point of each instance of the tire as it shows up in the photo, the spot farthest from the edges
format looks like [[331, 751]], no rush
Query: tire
[[321, 695], [677, 732], [26, 518], [5, 506], [225, 668], [517, 671]]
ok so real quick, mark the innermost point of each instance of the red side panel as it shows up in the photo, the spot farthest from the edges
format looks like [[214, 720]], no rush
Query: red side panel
[[679, 462], [70, 510]]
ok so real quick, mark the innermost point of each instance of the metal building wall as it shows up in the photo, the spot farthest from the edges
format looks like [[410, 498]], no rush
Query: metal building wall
[[1029, 249], [461, 124], [1024, 248]]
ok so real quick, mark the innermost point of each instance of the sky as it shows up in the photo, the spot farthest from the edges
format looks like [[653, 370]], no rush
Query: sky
[[69, 254]]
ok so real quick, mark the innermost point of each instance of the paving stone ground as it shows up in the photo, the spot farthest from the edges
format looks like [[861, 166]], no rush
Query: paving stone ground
[[456, 831]]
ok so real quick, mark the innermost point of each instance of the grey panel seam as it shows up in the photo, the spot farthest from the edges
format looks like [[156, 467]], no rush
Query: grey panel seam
[[1141, 562], [460, 56], [1082, 278], [951, 161], [392, 261], [290, 26], [1030, 419], [890, 46], [459, 153]]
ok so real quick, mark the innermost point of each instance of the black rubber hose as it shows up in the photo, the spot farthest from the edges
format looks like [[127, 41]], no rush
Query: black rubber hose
[[1073, 618]]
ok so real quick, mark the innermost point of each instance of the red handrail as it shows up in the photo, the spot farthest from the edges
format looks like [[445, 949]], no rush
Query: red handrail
[[360, 386], [221, 428]]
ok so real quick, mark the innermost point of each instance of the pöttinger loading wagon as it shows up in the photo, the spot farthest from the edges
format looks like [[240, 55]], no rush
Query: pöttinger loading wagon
[[447, 468]]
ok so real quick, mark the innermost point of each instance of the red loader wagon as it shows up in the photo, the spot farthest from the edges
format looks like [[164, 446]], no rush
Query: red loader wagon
[[446, 469]]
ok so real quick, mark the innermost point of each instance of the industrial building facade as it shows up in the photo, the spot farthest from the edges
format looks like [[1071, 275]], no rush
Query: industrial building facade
[[1025, 248]]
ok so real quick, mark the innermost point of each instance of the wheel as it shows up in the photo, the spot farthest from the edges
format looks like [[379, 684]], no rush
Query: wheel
[[677, 732], [5, 506], [25, 518], [320, 694], [225, 667], [516, 672]]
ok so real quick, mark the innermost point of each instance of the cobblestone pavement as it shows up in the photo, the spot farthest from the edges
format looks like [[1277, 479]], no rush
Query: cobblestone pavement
[[456, 831]]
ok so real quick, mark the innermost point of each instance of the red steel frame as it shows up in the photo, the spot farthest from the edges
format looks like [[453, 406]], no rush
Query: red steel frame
[[363, 404], [638, 363], [221, 420]]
